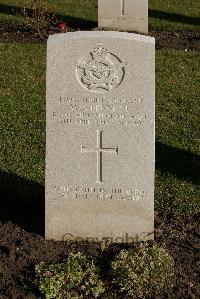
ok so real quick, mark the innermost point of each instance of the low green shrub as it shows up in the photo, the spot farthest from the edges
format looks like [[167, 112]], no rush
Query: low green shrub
[[142, 272], [75, 278]]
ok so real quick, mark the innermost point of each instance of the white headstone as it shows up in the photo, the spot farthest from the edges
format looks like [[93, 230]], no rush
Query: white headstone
[[123, 15], [100, 136]]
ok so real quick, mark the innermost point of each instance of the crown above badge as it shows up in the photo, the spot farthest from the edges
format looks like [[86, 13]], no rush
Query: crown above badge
[[99, 53]]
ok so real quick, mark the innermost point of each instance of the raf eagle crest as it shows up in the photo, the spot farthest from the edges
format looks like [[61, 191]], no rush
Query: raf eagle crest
[[102, 72]]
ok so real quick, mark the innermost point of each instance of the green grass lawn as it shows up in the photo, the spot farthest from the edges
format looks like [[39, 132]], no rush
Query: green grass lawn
[[169, 14], [177, 126], [22, 110], [22, 115], [174, 14]]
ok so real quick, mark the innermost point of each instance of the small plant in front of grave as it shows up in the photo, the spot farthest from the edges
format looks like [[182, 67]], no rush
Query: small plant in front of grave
[[143, 271], [75, 278], [37, 14], [63, 26]]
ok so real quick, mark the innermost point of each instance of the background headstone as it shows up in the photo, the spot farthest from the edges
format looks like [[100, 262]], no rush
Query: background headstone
[[100, 136], [123, 15]]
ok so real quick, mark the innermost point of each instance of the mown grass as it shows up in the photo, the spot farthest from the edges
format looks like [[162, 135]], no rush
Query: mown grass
[[177, 125], [168, 15], [22, 110], [65, 9], [174, 14], [22, 119]]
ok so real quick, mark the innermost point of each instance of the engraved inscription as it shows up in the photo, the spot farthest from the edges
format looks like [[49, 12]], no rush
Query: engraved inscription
[[99, 151], [102, 72], [102, 193], [85, 111]]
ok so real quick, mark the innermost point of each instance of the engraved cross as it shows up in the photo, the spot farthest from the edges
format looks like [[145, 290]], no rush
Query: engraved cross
[[122, 7], [99, 151]]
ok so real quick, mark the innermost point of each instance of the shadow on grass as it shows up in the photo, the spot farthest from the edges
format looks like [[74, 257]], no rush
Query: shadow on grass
[[9, 9], [174, 17], [183, 164], [22, 202], [72, 22]]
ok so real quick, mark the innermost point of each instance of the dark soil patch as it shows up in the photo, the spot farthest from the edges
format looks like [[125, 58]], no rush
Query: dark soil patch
[[179, 40], [20, 251]]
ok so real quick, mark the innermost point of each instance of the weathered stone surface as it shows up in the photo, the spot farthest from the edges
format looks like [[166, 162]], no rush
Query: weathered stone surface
[[123, 15], [100, 136]]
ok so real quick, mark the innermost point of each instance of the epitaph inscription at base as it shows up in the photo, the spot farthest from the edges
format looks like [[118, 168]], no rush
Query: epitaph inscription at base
[[100, 137]]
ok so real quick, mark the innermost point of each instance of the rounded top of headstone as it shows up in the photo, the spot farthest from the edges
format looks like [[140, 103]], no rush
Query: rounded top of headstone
[[100, 34]]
